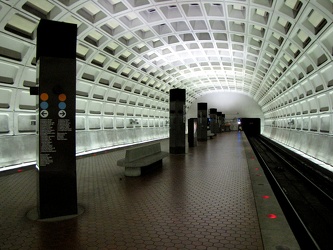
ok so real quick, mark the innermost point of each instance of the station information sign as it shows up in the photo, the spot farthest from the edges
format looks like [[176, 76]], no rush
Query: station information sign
[[56, 153]]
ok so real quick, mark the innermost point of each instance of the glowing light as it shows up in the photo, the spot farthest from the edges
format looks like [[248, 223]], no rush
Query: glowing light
[[272, 216], [19, 170], [266, 197]]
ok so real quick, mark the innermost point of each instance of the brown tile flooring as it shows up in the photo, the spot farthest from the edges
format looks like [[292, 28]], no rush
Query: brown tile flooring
[[200, 200]]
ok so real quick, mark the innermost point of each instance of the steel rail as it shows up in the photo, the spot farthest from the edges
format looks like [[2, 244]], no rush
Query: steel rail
[[299, 172], [281, 190]]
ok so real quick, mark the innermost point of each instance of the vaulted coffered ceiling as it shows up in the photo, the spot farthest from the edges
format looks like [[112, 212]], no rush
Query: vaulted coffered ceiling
[[203, 46]]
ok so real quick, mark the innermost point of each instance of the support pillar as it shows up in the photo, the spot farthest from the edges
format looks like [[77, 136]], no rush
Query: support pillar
[[213, 121], [219, 122], [177, 121], [223, 123], [202, 121], [56, 80], [192, 132]]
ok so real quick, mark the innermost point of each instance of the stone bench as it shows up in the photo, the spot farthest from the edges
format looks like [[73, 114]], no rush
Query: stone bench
[[210, 134], [148, 156]]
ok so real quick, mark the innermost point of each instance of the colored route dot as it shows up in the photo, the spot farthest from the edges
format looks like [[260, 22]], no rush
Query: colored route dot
[[62, 105], [62, 97], [44, 96], [44, 105]]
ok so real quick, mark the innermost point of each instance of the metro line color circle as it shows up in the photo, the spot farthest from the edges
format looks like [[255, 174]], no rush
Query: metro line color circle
[[62, 105], [44, 105], [44, 96], [62, 97]]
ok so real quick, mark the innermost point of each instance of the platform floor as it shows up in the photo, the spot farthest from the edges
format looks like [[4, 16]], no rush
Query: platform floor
[[199, 200]]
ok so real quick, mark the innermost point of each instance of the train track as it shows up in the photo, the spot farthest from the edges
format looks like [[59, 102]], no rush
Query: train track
[[304, 191]]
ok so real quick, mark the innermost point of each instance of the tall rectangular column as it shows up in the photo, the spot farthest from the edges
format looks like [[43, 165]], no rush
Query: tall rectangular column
[[192, 132], [56, 79], [202, 121], [219, 122], [213, 120], [177, 121]]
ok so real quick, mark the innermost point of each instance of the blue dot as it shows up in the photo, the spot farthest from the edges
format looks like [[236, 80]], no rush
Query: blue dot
[[44, 105], [62, 105]]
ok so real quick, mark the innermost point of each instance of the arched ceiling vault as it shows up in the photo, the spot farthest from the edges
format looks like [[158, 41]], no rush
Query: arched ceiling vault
[[203, 46]]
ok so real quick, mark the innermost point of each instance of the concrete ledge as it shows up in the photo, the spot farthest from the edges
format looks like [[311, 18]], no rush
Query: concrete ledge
[[275, 230]]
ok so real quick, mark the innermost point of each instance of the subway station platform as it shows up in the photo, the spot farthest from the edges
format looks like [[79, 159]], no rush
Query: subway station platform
[[213, 197]]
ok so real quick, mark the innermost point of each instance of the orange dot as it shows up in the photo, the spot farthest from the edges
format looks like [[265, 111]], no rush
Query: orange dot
[[62, 97], [44, 96]]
